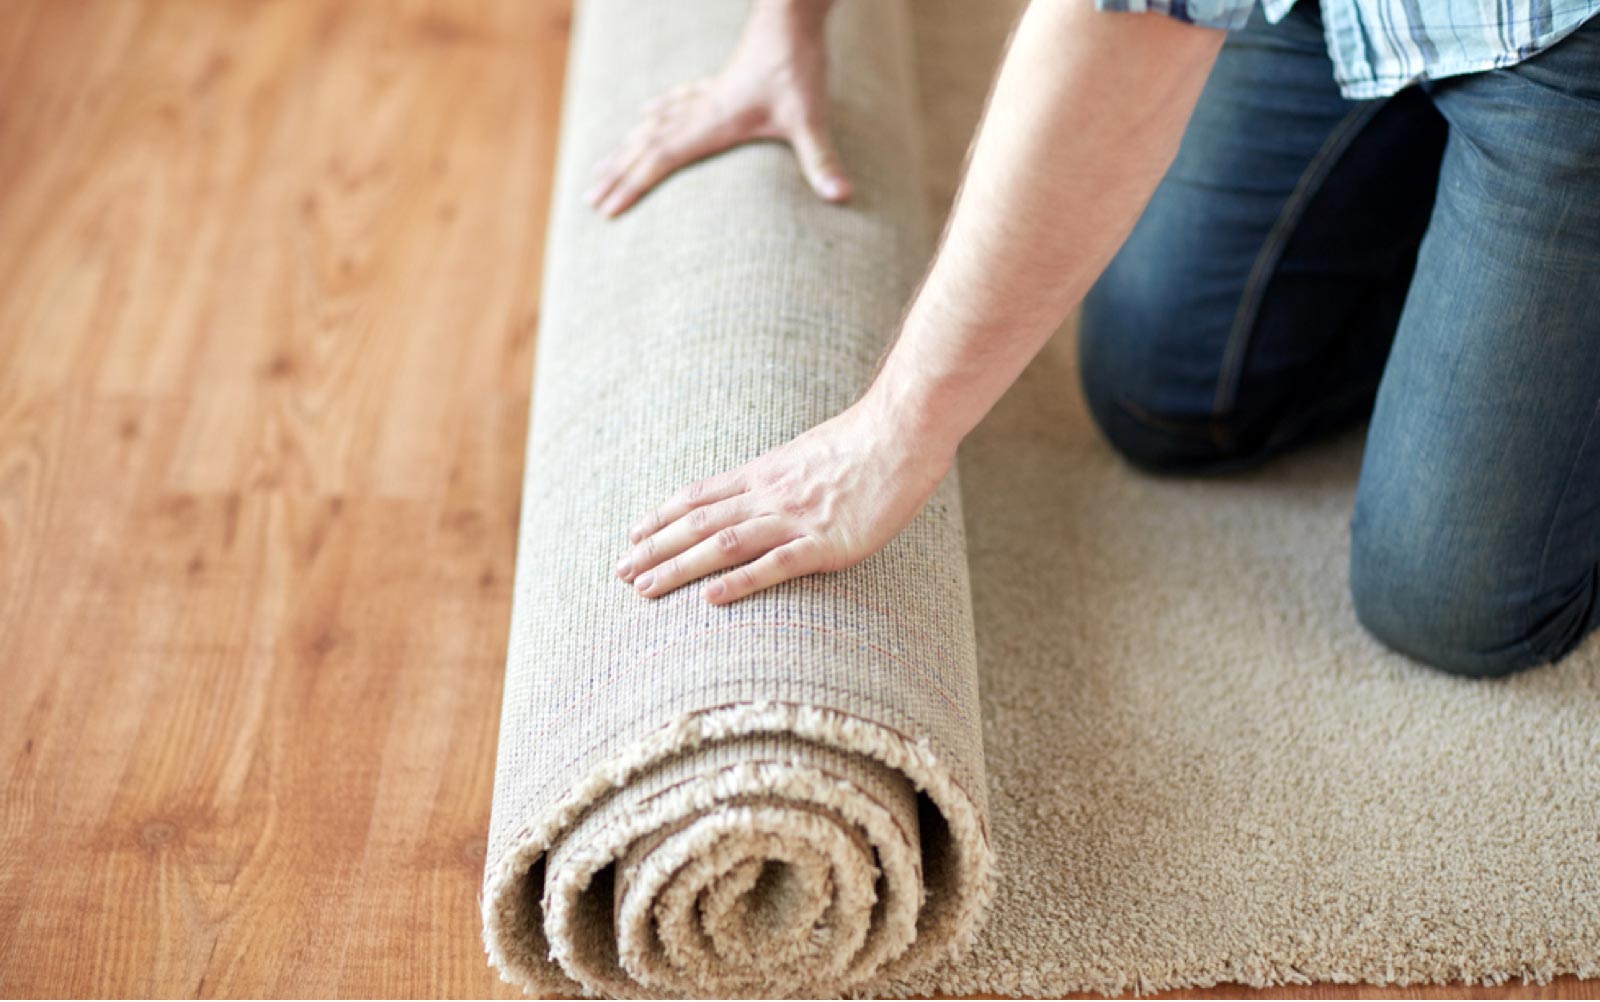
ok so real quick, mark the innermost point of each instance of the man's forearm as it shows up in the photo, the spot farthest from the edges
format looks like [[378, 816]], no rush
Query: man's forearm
[[806, 13], [1084, 119]]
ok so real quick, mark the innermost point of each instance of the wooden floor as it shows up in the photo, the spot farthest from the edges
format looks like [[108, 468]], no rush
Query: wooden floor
[[268, 293]]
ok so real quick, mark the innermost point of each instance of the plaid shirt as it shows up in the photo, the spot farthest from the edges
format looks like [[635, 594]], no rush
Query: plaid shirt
[[1380, 46]]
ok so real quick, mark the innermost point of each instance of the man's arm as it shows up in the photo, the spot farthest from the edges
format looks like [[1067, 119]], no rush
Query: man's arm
[[1085, 118], [1084, 121]]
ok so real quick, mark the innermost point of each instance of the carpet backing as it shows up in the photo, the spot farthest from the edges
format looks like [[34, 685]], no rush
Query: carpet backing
[[1135, 714]]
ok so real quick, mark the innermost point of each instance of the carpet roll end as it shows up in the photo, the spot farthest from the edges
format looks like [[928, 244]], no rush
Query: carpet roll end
[[759, 850]]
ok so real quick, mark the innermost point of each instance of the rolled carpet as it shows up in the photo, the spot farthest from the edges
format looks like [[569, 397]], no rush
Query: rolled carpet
[[788, 794]]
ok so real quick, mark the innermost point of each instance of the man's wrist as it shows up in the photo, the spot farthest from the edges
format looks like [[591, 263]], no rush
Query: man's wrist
[[917, 406], [807, 14]]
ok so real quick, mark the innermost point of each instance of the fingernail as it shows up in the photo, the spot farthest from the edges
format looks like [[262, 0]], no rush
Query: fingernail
[[634, 534], [644, 582], [624, 566], [832, 187], [714, 590]]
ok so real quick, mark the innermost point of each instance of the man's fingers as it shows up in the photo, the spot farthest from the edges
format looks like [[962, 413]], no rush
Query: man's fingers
[[634, 182], [610, 171], [673, 138], [791, 560], [645, 173], [701, 492], [820, 162], [645, 139], [730, 545], [620, 156], [681, 534], [676, 95], [663, 112]]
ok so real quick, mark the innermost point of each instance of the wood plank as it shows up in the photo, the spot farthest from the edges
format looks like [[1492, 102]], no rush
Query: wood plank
[[268, 292], [271, 277]]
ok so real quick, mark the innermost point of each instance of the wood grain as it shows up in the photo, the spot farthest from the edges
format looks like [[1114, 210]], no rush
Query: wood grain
[[268, 291]]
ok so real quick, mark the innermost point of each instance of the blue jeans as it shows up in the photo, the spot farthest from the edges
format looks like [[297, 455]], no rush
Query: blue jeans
[[1430, 260]]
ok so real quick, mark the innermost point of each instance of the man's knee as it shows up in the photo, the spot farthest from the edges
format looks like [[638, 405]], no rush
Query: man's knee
[[1159, 419], [1439, 603]]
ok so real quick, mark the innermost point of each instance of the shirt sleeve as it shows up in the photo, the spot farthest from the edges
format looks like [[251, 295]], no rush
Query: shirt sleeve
[[1227, 14]]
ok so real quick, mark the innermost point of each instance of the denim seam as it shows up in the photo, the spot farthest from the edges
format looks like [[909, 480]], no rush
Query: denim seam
[[1550, 534], [1244, 321]]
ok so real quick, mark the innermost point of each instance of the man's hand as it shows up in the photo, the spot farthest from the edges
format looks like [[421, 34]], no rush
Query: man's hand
[[824, 501], [1085, 117], [774, 87]]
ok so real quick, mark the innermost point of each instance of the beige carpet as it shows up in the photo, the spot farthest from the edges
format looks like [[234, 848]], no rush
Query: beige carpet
[[1202, 770], [1199, 769]]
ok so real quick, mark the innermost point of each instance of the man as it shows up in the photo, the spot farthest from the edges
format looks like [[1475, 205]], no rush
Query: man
[[1277, 222]]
